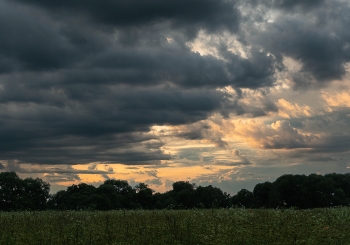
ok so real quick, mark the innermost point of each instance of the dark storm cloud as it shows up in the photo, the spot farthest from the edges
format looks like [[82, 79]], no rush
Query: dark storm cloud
[[101, 126], [33, 41], [179, 67], [69, 150], [321, 54], [83, 81], [311, 32], [290, 4], [15, 166], [188, 14]]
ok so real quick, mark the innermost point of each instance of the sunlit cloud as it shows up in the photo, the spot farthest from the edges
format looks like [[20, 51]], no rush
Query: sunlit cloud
[[288, 110], [337, 99]]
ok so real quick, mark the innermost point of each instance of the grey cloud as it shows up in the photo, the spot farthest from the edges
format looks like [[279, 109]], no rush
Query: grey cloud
[[92, 166], [201, 130], [83, 81], [244, 160], [254, 72], [286, 136], [153, 173], [329, 123], [56, 178], [155, 181], [16, 166], [336, 142], [126, 148], [34, 42], [79, 52], [292, 4], [194, 132], [318, 38], [100, 126], [137, 168], [320, 158], [282, 135], [208, 14], [181, 67]]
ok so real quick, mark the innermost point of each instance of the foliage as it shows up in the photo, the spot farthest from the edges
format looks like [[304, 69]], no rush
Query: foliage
[[297, 191], [19, 194]]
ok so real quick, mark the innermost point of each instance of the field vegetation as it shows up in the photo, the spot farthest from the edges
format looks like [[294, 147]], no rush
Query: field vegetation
[[235, 226]]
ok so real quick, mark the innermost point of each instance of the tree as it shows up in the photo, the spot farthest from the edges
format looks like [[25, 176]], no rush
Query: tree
[[184, 195], [76, 197], [211, 197], [144, 195], [262, 194], [125, 193], [10, 191], [36, 194], [244, 198], [19, 194], [113, 196], [286, 191]]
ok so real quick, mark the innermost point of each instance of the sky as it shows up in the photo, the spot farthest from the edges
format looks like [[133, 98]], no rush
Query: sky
[[228, 93]]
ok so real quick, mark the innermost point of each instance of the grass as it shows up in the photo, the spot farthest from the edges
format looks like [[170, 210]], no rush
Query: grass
[[221, 226]]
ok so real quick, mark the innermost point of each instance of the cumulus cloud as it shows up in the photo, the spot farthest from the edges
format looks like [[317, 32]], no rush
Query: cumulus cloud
[[278, 135], [337, 99], [287, 109]]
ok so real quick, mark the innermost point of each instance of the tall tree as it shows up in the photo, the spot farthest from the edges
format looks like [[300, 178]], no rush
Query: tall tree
[[10, 191], [144, 195], [36, 194], [184, 194], [244, 198], [262, 194], [125, 193], [19, 194]]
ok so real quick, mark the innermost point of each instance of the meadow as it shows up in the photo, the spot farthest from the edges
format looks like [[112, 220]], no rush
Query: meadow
[[216, 226]]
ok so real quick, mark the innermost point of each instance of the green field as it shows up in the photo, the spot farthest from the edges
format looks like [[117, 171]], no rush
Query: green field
[[217, 226]]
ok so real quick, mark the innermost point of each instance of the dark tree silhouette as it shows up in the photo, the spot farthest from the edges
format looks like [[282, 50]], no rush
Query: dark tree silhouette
[[299, 191]]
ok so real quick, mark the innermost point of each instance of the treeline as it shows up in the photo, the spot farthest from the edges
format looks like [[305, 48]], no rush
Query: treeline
[[299, 191]]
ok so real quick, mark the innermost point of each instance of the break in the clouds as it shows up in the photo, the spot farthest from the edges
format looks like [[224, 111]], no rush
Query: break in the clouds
[[205, 90]]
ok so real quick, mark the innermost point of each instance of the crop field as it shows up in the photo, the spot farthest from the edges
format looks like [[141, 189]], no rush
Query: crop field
[[217, 226]]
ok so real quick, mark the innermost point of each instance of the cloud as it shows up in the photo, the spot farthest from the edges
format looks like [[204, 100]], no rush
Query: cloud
[[292, 4], [210, 14], [278, 135], [243, 159], [332, 122], [59, 178], [17, 166], [317, 38], [281, 135], [155, 181], [287, 109], [337, 99], [155, 85]]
